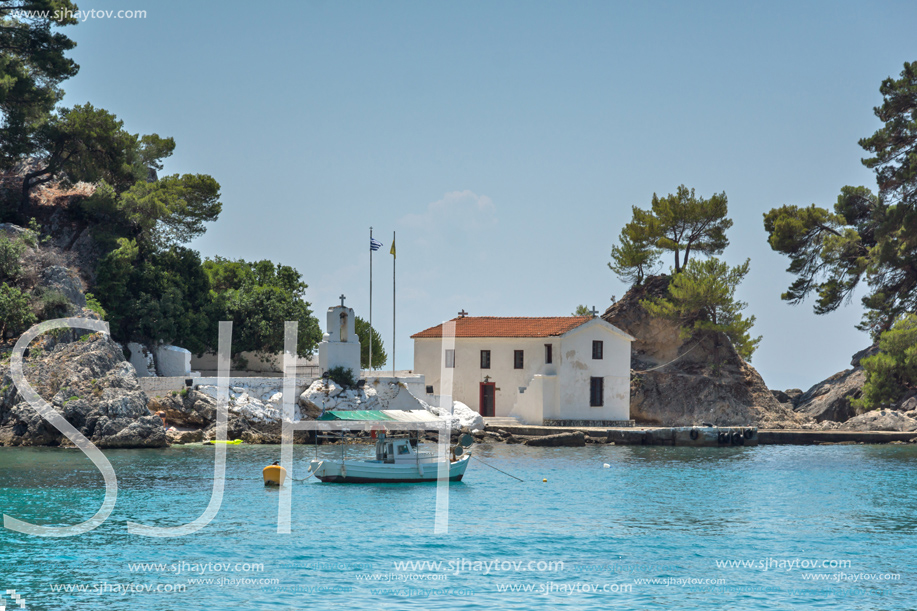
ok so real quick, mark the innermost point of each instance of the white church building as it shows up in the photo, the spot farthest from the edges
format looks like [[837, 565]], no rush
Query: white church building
[[559, 369]]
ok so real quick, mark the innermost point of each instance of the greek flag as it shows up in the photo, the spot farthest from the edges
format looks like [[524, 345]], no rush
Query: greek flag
[[374, 244]]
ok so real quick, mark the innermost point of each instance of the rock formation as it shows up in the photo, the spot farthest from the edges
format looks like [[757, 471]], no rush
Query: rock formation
[[382, 395], [677, 382], [88, 381], [880, 420]]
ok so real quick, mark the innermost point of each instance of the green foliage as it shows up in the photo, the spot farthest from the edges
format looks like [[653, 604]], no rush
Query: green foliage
[[582, 310], [53, 304], [258, 297], [84, 143], [157, 214], [680, 223], [702, 298], [893, 371], [342, 376], [32, 66], [866, 237], [10, 264], [164, 297], [93, 304], [15, 312], [894, 145], [636, 257], [365, 332]]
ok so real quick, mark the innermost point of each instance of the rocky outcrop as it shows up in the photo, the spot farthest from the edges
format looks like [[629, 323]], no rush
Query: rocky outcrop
[[831, 398], [65, 281], [463, 417], [189, 408], [576, 439], [378, 396], [191, 416], [88, 381], [677, 382], [881, 420]]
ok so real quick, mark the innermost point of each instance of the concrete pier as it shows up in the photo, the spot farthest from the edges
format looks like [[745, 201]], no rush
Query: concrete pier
[[723, 436]]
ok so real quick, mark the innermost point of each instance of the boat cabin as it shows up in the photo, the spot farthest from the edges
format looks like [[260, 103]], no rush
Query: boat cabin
[[389, 450]]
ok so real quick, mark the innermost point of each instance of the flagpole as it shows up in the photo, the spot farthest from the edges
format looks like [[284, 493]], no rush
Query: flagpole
[[394, 259], [370, 364]]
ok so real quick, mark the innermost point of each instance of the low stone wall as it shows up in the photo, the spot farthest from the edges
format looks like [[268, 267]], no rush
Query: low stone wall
[[591, 423], [254, 386], [157, 387]]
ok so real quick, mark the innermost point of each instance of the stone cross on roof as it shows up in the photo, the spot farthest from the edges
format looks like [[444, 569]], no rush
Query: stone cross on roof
[[463, 313], [594, 312], [342, 299]]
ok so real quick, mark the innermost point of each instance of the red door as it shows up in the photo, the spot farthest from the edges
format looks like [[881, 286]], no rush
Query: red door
[[488, 394]]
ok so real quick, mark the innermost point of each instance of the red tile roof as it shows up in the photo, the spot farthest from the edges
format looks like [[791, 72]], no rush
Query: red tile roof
[[512, 326]]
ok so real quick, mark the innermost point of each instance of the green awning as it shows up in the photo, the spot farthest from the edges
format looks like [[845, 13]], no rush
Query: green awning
[[388, 415], [355, 415]]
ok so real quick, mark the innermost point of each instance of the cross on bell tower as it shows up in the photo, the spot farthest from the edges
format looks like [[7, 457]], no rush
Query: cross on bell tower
[[342, 299]]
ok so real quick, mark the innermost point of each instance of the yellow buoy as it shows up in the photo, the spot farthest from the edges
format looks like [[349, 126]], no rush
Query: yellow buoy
[[545, 480], [274, 475]]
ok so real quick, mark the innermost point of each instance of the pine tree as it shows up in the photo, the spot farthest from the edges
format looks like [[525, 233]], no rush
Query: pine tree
[[867, 237], [681, 223], [702, 298]]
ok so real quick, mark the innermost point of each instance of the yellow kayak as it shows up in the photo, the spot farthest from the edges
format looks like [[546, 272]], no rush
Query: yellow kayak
[[234, 442]]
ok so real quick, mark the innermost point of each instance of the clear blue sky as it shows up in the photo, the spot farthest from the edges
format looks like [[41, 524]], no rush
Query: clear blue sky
[[504, 141]]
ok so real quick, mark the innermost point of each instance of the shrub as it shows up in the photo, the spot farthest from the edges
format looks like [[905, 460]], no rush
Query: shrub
[[53, 304], [10, 251], [893, 371], [93, 304], [15, 314], [702, 298], [343, 376]]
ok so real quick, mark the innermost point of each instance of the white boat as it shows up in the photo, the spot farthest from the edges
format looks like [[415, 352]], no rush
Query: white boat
[[397, 461]]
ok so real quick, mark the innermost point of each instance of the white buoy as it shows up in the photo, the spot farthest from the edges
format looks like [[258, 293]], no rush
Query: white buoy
[[606, 466]]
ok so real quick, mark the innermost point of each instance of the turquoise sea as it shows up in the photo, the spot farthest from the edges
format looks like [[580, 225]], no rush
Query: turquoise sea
[[771, 527]]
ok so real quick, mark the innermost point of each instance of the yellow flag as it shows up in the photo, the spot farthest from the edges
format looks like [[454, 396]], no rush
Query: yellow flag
[[392, 251]]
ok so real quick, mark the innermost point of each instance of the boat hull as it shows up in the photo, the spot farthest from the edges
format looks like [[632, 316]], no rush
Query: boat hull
[[373, 472]]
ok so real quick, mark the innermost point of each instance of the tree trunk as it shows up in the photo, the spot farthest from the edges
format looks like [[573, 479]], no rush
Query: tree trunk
[[28, 185], [687, 252], [677, 262]]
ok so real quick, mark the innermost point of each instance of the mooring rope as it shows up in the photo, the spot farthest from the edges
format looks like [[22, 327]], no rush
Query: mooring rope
[[310, 475], [493, 467]]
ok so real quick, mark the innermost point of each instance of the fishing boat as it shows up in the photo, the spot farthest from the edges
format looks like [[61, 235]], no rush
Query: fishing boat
[[397, 461], [397, 458]]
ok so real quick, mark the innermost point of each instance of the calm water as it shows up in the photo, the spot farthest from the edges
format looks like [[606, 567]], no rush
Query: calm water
[[594, 536]]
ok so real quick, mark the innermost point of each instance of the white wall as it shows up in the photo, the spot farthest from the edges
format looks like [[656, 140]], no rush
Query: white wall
[[577, 367], [142, 360], [257, 362], [173, 361], [340, 346], [565, 386], [468, 375]]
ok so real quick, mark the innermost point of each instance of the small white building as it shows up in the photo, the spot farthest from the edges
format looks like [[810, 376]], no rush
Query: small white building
[[340, 346], [570, 369]]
